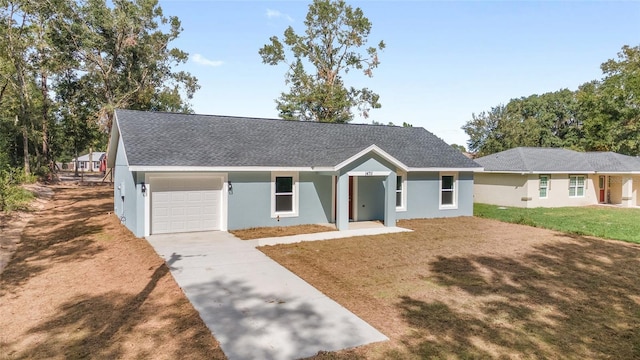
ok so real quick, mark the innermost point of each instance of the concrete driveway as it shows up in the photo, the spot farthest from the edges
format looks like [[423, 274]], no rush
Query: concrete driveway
[[256, 308]]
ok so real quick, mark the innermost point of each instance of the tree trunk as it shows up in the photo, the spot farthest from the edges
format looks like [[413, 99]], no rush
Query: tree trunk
[[45, 122], [25, 147]]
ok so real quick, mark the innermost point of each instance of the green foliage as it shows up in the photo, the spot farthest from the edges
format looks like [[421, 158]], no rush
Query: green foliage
[[599, 116], [459, 147], [334, 33], [12, 196], [66, 65], [604, 222]]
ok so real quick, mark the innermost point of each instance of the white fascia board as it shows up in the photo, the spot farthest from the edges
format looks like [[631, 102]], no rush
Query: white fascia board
[[368, 173], [437, 169], [375, 149], [617, 172], [223, 168], [539, 172]]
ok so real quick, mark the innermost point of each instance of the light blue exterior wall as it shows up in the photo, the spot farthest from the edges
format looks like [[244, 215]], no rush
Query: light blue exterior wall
[[371, 162], [250, 201], [130, 207], [423, 196]]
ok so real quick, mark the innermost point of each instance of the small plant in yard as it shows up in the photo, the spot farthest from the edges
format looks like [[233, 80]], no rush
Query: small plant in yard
[[12, 195]]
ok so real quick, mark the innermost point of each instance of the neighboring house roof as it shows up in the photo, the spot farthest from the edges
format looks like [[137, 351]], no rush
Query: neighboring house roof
[[97, 155], [557, 160], [613, 162], [170, 139]]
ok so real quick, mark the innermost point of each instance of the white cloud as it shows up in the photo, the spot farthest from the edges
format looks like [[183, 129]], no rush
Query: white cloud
[[199, 59], [274, 14]]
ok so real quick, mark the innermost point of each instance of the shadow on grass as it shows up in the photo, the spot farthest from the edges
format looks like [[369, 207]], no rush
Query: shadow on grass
[[576, 299], [62, 233]]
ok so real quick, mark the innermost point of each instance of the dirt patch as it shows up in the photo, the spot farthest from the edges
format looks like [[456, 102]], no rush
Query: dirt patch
[[478, 288], [82, 286], [278, 231]]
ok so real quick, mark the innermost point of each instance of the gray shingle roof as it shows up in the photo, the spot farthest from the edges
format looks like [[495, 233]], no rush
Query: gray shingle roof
[[169, 139], [529, 159], [613, 162]]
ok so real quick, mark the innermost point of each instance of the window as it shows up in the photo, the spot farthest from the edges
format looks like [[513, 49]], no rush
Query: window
[[544, 186], [448, 191], [401, 192], [284, 189], [576, 186], [82, 164]]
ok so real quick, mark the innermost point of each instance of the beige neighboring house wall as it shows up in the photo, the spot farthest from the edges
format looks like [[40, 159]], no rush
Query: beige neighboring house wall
[[500, 189], [636, 190], [523, 190], [615, 189]]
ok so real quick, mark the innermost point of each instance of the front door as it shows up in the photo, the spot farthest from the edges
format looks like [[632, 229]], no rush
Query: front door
[[601, 186], [350, 198]]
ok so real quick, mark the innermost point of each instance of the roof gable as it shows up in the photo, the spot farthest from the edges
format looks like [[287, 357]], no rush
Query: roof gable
[[156, 139]]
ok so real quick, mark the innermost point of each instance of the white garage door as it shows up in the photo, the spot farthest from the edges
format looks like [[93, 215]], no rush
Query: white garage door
[[185, 204]]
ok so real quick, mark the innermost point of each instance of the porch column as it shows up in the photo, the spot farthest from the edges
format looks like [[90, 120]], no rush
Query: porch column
[[342, 202], [390, 200], [627, 191]]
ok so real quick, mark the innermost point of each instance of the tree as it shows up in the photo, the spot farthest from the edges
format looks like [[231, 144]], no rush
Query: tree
[[124, 56], [459, 148], [335, 32], [620, 99], [547, 120], [66, 65]]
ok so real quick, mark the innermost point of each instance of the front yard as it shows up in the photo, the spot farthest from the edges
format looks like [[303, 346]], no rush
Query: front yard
[[479, 288], [602, 221], [81, 286]]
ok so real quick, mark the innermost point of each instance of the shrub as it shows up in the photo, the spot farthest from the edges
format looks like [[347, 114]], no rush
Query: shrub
[[12, 196]]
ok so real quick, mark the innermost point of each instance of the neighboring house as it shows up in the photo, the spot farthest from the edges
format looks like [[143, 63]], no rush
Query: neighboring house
[[553, 177], [180, 173], [91, 162]]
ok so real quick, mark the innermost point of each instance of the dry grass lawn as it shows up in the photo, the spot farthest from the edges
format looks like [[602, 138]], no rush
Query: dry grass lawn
[[81, 286], [278, 231], [478, 288]]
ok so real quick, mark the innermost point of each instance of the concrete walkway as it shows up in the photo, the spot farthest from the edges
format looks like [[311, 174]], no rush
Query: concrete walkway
[[254, 307], [366, 230]]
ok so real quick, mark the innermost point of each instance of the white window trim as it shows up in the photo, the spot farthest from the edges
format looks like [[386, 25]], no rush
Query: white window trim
[[403, 207], [548, 187], [455, 190], [584, 186], [294, 212]]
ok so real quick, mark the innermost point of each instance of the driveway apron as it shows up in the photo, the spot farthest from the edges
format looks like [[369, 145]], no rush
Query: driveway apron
[[254, 307]]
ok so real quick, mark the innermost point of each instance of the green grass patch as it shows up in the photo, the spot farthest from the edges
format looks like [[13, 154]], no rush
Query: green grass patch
[[599, 221], [15, 197]]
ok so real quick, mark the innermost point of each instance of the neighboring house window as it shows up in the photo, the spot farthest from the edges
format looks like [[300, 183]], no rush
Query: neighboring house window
[[544, 186], [576, 186], [448, 191], [284, 199], [96, 164], [401, 192], [82, 164]]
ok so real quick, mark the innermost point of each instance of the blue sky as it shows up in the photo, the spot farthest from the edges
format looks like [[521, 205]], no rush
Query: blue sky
[[443, 60]]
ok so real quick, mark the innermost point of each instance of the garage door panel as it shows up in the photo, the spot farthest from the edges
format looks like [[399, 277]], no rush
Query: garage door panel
[[183, 205], [194, 211]]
